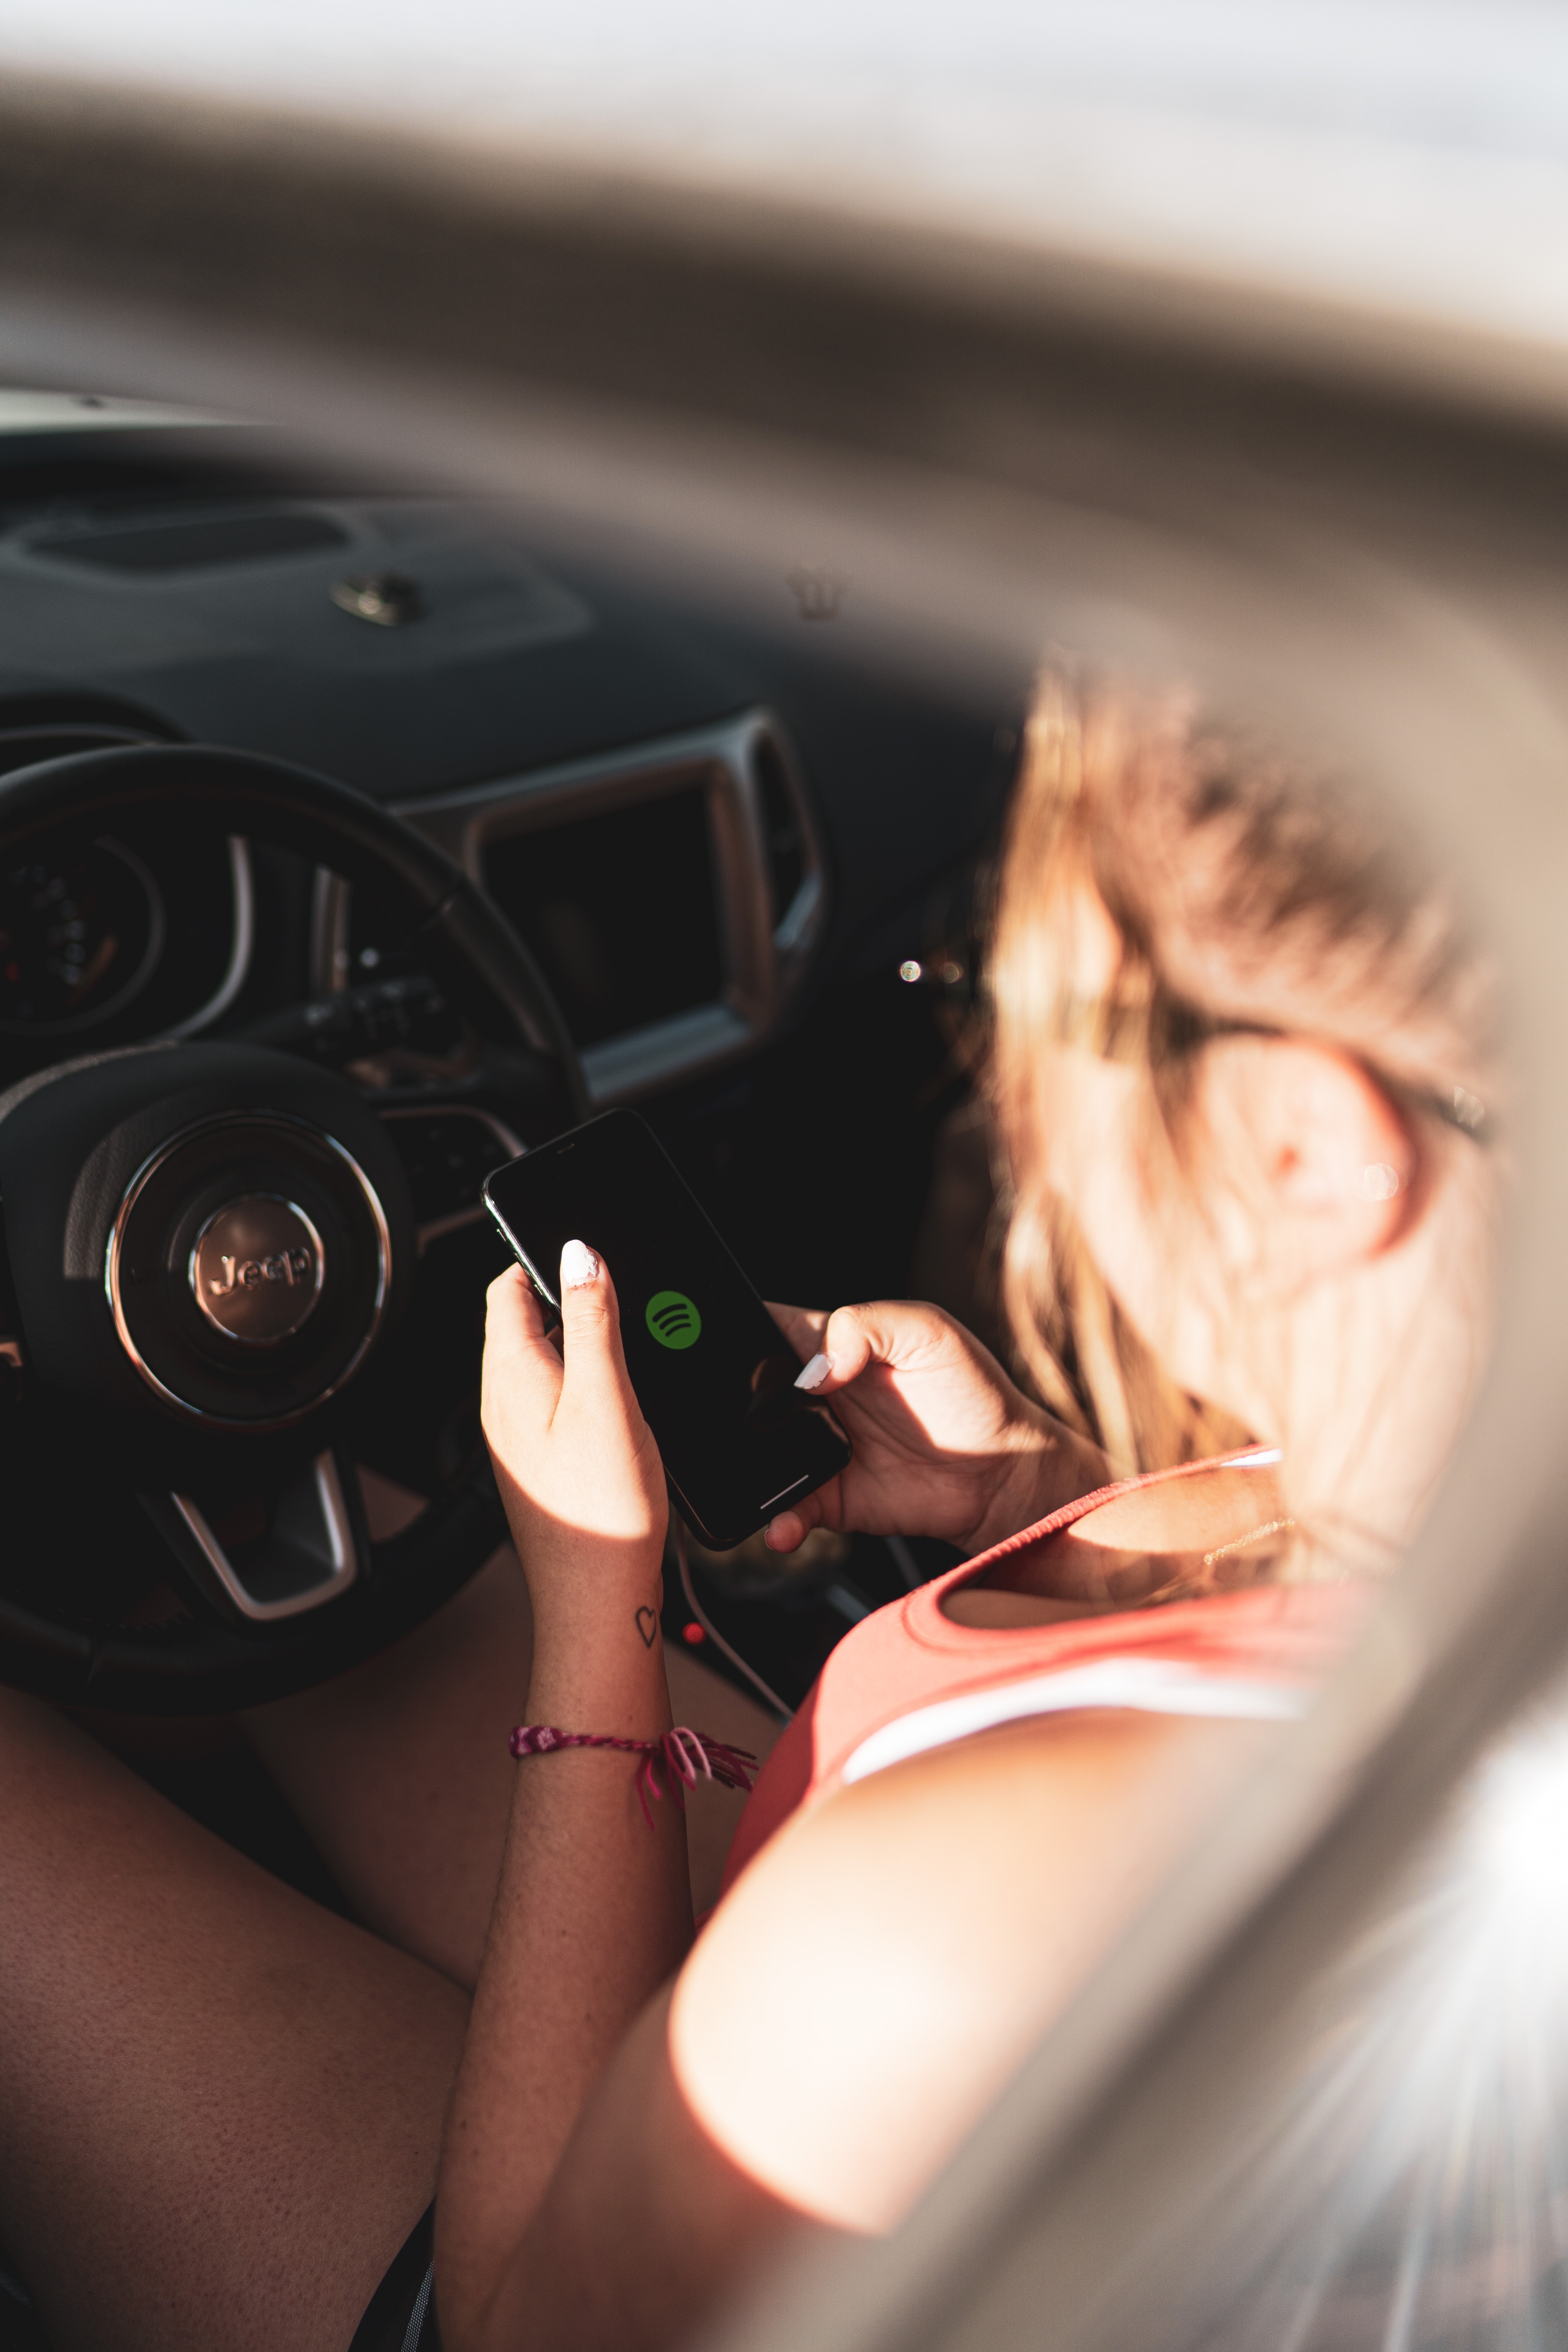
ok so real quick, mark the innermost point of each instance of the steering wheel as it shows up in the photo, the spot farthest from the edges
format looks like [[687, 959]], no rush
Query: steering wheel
[[212, 1250]]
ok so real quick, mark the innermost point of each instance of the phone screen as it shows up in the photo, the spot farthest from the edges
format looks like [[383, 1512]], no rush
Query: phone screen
[[712, 1371]]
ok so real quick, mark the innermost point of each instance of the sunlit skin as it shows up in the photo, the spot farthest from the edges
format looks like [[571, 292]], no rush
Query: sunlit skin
[[845, 2108], [1260, 1266], [224, 2105]]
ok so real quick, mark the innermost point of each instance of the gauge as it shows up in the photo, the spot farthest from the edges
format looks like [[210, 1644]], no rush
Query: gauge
[[80, 933]]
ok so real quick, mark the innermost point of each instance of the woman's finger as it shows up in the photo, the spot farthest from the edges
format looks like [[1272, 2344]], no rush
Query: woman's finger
[[789, 1529], [518, 1351], [597, 1374], [786, 1532], [823, 1508]]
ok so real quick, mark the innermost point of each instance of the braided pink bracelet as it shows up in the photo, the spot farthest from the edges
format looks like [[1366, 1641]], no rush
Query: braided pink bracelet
[[686, 1754]]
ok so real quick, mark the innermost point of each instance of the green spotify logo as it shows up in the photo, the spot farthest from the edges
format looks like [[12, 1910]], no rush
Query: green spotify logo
[[673, 1319]]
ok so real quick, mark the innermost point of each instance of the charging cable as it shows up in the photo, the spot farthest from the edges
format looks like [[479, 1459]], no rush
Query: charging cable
[[715, 1635]]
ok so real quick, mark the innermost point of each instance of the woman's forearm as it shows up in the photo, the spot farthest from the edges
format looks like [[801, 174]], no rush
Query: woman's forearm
[[591, 1914]]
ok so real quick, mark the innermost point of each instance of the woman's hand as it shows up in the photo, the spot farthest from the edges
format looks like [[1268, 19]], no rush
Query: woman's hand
[[945, 1444], [593, 1909], [576, 1463]]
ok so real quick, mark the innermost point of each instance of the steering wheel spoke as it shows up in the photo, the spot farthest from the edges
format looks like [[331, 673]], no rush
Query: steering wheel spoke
[[273, 1553]]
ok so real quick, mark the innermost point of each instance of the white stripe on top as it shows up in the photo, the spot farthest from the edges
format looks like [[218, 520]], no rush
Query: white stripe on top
[[1151, 1686]]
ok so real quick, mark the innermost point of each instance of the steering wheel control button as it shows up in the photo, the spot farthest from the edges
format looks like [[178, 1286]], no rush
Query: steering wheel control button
[[257, 1269], [673, 1319]]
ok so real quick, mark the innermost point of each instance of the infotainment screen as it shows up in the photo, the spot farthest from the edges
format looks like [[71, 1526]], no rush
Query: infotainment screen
[[620, 908]]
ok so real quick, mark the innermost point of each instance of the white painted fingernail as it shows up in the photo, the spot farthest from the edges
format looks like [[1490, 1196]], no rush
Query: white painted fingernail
[[1380, 1181], [579, 1266], [812, 1375]]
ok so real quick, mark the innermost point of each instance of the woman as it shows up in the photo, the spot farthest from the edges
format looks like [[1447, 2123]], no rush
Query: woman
[[1238, 1071]]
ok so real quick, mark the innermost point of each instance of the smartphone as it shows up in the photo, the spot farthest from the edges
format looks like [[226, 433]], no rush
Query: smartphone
[[714, 1373]]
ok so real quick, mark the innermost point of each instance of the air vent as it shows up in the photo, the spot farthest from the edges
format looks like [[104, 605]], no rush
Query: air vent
[[784, 839], [192, 543]]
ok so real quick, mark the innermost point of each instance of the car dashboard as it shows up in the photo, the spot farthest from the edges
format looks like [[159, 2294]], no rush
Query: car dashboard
[[694, 821], [723, 832]]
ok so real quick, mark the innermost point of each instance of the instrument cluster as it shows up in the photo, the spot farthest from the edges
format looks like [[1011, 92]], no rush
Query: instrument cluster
[[108, 940]]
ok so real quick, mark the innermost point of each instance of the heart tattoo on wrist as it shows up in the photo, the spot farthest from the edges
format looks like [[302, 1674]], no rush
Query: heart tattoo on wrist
[[647, 1624]]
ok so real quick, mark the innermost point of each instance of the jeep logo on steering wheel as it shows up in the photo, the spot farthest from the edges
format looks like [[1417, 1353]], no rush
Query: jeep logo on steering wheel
[[257, 1269]]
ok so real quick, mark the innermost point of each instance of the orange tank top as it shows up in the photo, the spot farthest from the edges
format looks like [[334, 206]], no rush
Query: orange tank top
[[908, 1678]]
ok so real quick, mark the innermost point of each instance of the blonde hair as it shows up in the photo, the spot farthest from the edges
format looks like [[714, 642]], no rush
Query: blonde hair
[[1245, 889]]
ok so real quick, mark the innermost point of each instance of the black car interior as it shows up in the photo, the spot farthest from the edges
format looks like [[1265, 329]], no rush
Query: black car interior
[[374, 825]]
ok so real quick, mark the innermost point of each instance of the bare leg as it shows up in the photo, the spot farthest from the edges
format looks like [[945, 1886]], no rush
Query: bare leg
[[222, 2104], [400, 1772], [399, 1769]]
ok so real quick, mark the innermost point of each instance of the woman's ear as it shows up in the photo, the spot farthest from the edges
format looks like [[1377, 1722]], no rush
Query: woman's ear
[[1312, 1166]]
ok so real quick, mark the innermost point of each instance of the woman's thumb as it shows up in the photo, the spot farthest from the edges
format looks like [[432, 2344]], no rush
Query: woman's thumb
[[590, 1321], [843, 1351], [580, 1270], [898, 1332]]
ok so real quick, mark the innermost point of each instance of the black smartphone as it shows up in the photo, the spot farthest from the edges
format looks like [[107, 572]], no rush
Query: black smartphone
[[714, 1373]]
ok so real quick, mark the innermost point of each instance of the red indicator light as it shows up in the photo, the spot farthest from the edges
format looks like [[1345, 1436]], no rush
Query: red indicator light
[[693, 1634]]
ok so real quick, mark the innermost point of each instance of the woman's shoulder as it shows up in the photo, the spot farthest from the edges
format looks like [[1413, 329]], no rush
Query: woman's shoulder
[[878, 1972]]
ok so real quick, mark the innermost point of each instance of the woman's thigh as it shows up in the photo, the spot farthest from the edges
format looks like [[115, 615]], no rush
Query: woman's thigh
[[222, 2104], [400, 1772]]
